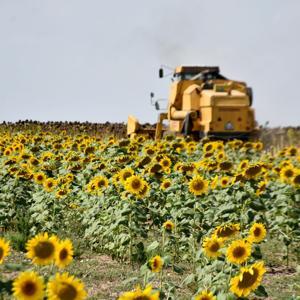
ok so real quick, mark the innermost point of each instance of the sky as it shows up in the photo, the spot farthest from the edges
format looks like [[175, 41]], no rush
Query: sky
[[98, 61]]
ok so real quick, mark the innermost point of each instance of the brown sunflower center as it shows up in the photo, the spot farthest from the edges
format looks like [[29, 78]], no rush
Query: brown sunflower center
[[101, 183], [297, 179], [1, 253], [288, 173], [155, 264], [214, 247], [257, 231], [63, 254], [167, 184], [225, 166], [239, 251], [143, 297], [126, 175], [44, 249], [198, 185], [225, 232], [29, 288], [253, 171], [67, 292], [208, 148], [248, 279], [165, 163], [136, 184]]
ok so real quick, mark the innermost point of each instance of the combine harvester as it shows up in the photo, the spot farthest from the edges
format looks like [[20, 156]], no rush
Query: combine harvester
[[203, 103]]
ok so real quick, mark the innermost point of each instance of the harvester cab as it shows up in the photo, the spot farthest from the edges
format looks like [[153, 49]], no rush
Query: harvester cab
[[202, 102]]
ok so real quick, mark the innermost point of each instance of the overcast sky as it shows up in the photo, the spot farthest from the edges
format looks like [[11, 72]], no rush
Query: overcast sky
[[97, 60]]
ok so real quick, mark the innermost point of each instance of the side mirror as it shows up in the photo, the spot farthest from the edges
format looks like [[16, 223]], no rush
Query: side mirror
[[161, 73], [151, 95], [156, 104], [250, 95]]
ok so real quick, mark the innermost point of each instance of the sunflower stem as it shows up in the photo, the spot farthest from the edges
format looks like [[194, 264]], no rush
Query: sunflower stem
[[130, 236]]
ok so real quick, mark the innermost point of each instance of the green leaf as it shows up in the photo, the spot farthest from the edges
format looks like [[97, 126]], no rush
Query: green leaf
[[189, 279], [261, 292], [153, 246]]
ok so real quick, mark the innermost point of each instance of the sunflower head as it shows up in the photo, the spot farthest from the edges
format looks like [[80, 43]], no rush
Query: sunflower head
[[165, 184], [63, 286], [211, 247], [28, 286], [139, 294], [41, 249], [169, 226], [49, 184], [134, 184], [226, 231], [124, 174], [248, 279], [238, 251], [39, 177], [287, 173], [198, 185], [225, 166], [296, 179], [155, 264], [257, 232], [4, 249], [64, 253], [205, 295]]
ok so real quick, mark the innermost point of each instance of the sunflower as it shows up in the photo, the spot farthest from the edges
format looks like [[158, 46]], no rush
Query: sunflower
[[292, 151], [238, 251], [211, 246], [209, 147], [125, 174], [28, 286], [65, 287], [248, 279], [226, 231], [100, 182], [225, 181], [257, 232], [64, 253], [225, 166], [134, 184], [220, 156], [49, 184], [144, 191], [39, 177], [165, 162], [169, 226], [198, 185], [296, 179], [138, 294], [287, 173], [41, 249], [243, 164], [261, 188], [258, 146], [63, 191], [4, 249], [252, 171], [166, 184], [155, 264], [205, 295]]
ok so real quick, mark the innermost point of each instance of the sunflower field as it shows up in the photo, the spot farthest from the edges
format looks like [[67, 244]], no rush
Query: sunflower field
[[182, 219]]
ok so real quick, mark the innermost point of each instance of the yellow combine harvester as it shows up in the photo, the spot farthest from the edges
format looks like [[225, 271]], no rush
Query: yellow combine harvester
[[203, 103]]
